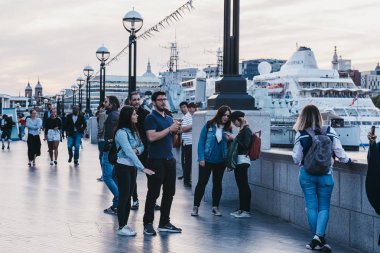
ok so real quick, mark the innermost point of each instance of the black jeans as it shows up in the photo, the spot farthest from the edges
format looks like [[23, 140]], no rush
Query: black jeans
[[166, 177], [217, 177], [126, 179], [186, 162], [241, 176]]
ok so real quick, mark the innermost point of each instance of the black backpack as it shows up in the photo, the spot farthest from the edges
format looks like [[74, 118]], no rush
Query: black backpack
[[112, 153], [317, 160]]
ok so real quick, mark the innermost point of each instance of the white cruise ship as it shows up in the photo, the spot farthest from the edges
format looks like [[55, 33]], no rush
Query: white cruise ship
[[300, 82]]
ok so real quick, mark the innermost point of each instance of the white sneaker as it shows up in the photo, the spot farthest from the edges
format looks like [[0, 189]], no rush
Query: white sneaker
[[236, 212], [126, 231], [215, 211], [243, 214], [51, 163]]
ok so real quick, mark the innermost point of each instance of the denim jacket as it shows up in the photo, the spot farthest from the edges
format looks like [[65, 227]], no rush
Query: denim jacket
[[128, 141], [207, 142]]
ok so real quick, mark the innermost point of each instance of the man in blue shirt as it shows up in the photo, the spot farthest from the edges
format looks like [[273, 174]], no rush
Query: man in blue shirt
[[159, 130]]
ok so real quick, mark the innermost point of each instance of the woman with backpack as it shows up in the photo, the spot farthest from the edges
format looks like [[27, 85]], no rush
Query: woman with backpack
[[244, 142], [212, 156], [128, 146], [317, 186]]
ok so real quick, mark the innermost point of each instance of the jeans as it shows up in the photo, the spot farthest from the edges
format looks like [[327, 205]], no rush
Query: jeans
[[101, 148], [74, 141], [126, 178], [186, 163], [217, 170], [241, 176], [165, 176], [107, 169], [317, 191]]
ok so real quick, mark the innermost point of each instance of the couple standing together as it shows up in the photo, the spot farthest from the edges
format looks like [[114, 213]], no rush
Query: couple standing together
[[160, 166]]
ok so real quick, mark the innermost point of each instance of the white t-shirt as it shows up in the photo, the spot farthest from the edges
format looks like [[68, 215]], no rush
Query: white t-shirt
[[187, 137]]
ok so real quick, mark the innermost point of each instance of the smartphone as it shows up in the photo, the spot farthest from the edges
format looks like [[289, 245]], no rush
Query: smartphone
[[373, 130]]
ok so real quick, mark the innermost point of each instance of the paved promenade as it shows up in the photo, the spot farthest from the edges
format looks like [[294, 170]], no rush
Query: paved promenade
[[60, 209]]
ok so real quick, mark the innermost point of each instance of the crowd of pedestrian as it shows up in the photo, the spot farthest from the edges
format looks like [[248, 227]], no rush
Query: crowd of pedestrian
[[143, 141]]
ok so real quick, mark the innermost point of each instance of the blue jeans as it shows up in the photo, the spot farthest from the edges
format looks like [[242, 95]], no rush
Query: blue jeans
[[74, 141], [101, 148], [107, 169], [317, 191]]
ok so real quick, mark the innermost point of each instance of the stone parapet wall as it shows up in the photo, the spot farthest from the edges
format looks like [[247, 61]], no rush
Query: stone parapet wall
[[276, 191]]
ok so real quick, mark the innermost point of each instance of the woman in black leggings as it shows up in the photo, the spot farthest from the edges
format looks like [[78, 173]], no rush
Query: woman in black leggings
[[244, 139]]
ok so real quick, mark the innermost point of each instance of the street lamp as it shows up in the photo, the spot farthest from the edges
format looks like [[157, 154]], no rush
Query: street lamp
[[63, 102], [132, 22], [88, 72], [102, 54], [80, 82], [74, 88]]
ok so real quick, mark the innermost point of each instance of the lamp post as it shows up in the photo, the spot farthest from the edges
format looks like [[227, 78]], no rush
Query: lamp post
[[88, 72], [63, 102], [102, 54], [232, 88], [132, 22], [74, 88], [80, 82]]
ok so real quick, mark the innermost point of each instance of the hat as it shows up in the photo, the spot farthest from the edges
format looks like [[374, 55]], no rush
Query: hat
[[236, 114]]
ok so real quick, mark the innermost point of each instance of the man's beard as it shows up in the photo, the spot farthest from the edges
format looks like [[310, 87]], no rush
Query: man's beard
[[162, 109]]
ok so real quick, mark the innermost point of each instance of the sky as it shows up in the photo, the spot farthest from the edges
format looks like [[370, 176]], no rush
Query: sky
[[52, 40]]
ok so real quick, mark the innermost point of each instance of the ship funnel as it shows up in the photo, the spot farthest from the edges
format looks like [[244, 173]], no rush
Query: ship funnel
[[303, 58]]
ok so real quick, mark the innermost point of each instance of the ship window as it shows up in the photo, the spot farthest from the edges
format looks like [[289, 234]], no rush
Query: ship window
[[363, 112], [347, 123], [376, 123], [366, 123], [340, 112], [352, 112], [355, 123]]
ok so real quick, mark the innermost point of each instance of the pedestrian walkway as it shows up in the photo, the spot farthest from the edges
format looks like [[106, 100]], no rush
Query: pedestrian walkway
[[60, 209]]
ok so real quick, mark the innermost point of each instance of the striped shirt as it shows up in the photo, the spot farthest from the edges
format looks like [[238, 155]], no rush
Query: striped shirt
[[187, 137]]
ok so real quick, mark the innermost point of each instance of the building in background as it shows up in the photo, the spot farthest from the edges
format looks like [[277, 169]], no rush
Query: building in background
[[249, 68], [371, 80]]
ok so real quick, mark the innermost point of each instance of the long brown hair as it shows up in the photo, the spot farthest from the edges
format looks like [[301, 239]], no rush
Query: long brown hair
[[309, 117], [218, 117]]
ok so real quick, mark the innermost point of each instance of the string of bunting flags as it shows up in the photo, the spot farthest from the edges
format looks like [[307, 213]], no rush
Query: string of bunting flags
[[175, 16]]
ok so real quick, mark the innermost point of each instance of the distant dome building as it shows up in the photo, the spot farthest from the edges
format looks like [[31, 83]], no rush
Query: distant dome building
[[28, 91], [148, 72]]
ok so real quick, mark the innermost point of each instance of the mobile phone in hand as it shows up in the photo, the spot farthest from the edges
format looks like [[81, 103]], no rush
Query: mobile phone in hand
[[373, 130]]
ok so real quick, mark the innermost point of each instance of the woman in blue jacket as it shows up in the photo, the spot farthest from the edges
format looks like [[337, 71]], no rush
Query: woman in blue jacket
[[129, 145], [212, 156]]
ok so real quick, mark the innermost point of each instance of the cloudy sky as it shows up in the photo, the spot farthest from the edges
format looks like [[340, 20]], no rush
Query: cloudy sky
[[54, 39]]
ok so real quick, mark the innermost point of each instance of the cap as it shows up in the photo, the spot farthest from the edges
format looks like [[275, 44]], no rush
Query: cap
[[236, 114]]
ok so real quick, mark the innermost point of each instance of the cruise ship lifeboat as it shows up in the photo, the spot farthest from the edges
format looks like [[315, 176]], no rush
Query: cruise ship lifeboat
[[275, 88]]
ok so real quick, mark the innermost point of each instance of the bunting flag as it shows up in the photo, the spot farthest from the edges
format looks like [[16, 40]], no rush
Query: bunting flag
[[175, 16]]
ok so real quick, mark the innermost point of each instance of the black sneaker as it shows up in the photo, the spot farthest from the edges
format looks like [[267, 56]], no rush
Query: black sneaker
[[169, 228], [187, 184], [111, 210], [76, 162], [325, 247], [8, 147], [70, 159], [315, 244], [157, 207], [135, 205], [149, 230], [180, 178], [2, 147]]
